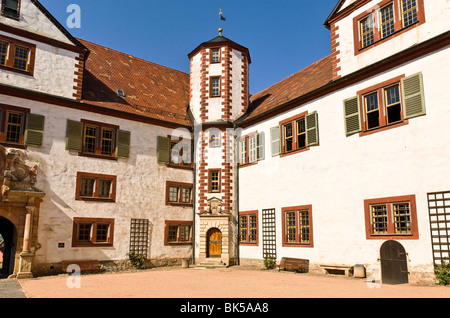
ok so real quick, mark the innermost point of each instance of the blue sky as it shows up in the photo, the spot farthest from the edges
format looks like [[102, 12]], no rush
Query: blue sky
[[283, 36]]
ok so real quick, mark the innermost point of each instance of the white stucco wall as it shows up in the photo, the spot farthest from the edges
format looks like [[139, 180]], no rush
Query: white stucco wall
[[53, 70], [339, 174], [33, 20], [140, 193], [437, 22]]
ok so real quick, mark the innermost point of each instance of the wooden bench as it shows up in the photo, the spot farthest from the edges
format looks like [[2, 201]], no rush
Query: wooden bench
[[334, 269], [85, 265], [294, 264]]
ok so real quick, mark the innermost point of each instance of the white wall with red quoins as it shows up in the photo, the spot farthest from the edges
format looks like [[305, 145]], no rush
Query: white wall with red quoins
[[55, 62], [349, 57]]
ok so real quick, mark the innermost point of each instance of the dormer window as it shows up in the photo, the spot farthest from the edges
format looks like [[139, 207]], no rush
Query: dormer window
[[386, 20], [10, 8]]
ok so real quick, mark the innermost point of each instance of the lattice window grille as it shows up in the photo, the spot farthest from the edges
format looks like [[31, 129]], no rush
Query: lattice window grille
[[139, 236], [439, 212], [269, 233]]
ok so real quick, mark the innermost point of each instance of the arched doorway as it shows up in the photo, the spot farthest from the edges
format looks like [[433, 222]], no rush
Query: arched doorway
[[214, 246], [394, 265], [8, 232]]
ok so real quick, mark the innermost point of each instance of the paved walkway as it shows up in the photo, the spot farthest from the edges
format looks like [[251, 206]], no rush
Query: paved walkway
[[11, 289], [219, 283]]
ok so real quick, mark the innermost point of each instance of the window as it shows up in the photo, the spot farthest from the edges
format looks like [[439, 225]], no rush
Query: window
[[176, 152], [391, 217], [19, 128], [215, 87], [383, 107], [386, 105], [95, 187], [17, 56], [248, 227], [178, 232], [178, 193], [298, 133], [3, 52], [366, 29], [386, 19], [98, 140], [215, 55], [90, 232], [11, 8], [251, 148], [180, 152], [214, 181], [297, 226], [409, 12], [214, 138]]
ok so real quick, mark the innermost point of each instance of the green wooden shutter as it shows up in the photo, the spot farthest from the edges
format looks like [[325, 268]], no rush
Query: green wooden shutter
[[413, 96], [275, 140], [34, 130], [163, 150], [123, 144], [312, 129], [260, 149], [74, 135], [352, 114]]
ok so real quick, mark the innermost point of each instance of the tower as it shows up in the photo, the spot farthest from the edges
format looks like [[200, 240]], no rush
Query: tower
[[219, 94]]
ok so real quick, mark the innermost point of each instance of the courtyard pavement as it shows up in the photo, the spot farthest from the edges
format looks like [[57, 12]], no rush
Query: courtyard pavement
[[234, 282]]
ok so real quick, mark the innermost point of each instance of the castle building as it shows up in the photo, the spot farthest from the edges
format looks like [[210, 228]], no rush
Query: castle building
[[343, 163]]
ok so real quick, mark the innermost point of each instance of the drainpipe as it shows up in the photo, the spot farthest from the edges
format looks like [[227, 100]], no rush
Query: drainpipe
[[236, 187], [194, 187]]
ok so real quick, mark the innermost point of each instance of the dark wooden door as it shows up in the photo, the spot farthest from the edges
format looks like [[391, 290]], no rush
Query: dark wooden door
[[394, 266], [214, 243]]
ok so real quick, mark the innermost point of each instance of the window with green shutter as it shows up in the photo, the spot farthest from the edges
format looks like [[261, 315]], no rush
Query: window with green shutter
[[413, 96], [388, 104], [34, 130], [296, 133], [96, 139], [352, 116], [251, 148]]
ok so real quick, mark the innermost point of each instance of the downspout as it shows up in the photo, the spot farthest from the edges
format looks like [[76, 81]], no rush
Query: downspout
[[236, 186], [194, 188]]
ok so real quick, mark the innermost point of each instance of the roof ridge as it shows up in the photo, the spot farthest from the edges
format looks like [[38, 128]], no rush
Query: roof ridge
[[138, 58]]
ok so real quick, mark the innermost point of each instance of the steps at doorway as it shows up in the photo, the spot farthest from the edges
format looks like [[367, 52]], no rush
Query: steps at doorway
[[211, 264]]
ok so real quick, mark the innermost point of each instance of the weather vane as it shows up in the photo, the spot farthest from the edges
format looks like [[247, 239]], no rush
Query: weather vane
[[222, 18]]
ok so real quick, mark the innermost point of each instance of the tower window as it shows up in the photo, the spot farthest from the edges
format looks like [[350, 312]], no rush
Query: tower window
[[215, 87], [215, 56]]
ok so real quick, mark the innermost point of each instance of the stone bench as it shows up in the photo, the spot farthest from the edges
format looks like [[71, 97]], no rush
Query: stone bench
[[332, 269], [294, 264]]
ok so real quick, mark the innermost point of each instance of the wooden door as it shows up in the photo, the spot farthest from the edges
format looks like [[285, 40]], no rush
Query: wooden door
[[214, 243], [394, 266]]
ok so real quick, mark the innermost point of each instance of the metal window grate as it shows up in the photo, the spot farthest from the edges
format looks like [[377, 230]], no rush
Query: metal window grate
[[269, 233], [439, 211], [139, 237]]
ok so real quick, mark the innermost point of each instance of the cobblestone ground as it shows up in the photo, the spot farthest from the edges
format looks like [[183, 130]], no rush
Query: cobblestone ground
[[219, 283]]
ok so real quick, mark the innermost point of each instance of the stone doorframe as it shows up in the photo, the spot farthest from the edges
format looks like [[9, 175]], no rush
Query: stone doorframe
[[19, 203], [214, 218]]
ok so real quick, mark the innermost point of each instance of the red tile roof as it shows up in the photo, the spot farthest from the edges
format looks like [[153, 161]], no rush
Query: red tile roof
[[151, 90], [162, 93], [296, 85]]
